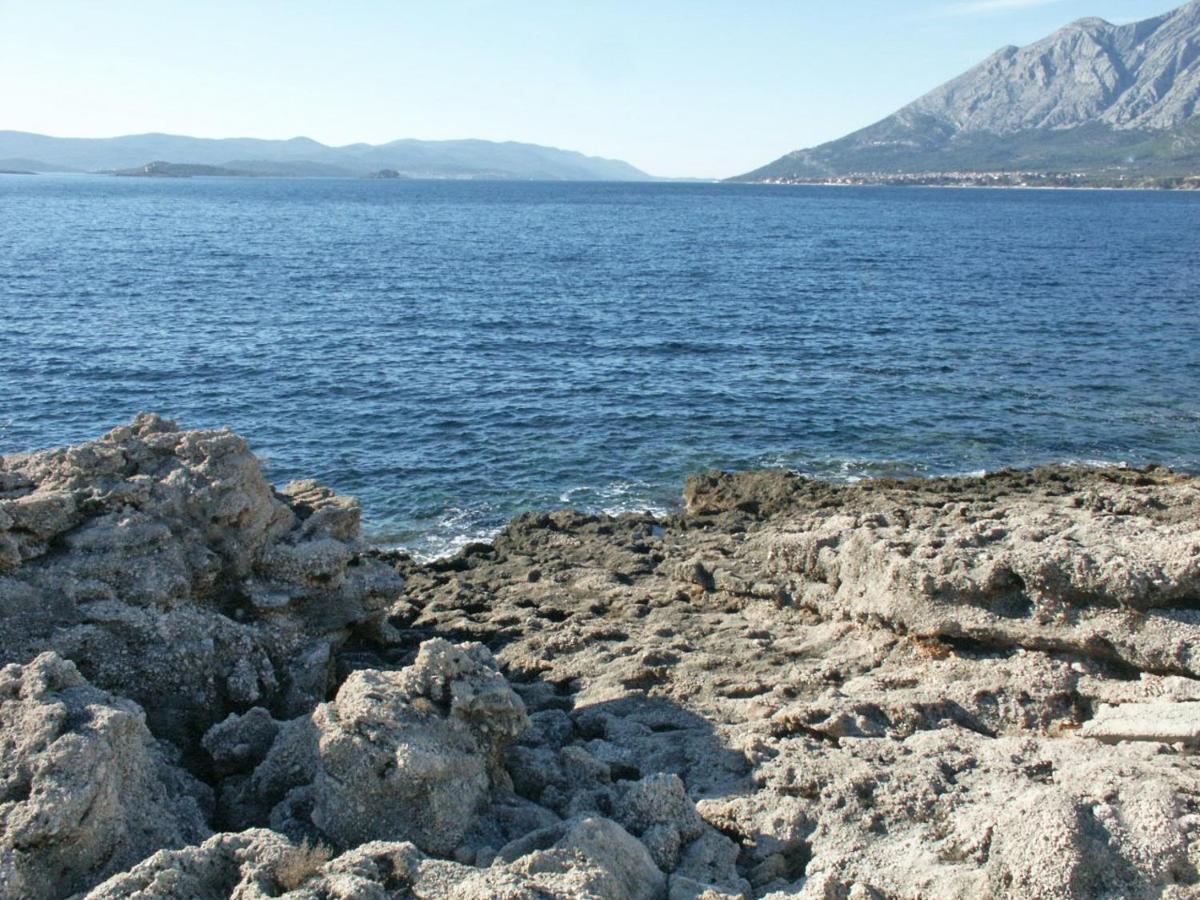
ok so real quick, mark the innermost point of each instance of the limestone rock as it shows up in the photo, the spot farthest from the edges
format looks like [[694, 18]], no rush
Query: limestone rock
[[1037, 570], [658, 810], [943, 688], [263, 781], [166, 566], [414, 755], [880, 691], [224, 866], [84, 789], [588, 858], [242, 741], [1168, 723]]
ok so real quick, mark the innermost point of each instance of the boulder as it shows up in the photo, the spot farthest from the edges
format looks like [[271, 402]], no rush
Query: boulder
[[414, 755], [167, 567], [85, 790]]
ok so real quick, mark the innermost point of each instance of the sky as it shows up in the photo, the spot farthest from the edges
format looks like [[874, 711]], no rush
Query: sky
[[695, 88]]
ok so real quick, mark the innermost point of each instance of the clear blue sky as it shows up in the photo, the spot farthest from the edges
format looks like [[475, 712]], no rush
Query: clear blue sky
[[677, 87]]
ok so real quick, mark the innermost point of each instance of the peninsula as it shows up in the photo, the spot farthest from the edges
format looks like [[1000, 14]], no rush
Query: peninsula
[[177, 170]]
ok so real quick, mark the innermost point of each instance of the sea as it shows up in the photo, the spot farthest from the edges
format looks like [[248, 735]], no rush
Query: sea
[[456, 352]]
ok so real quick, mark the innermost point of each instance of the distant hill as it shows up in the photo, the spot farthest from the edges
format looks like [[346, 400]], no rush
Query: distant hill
[[1104, 101], [305, 157]]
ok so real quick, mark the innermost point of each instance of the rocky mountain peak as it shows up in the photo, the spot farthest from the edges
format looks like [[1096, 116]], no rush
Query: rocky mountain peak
[[1092, 93], [1142, 75]]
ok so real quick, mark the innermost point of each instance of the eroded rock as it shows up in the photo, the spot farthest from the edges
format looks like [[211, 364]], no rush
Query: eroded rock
[[414, 755], [586, 858], [167, 567], [85, 790], [947, 688]]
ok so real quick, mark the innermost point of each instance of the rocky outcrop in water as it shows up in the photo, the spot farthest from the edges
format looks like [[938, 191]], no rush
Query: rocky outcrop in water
[[947, 688]]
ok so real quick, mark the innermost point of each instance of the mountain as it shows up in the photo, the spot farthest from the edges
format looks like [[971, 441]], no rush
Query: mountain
[[1097, 99], [306, 157]]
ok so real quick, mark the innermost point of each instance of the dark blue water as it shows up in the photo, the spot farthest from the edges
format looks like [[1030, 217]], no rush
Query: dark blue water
[[453, 353]]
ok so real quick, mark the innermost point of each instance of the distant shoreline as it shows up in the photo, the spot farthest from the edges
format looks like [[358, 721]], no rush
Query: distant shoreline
[[160, 176], [1182, 189]]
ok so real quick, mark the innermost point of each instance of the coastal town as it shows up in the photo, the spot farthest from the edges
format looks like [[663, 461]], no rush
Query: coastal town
[[1000, 180]]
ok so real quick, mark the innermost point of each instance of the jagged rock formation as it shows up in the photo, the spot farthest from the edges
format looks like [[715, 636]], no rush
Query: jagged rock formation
[[587, 858], [164, 564], [1091, 97], [413, 755], [949, 688], [85, 790]]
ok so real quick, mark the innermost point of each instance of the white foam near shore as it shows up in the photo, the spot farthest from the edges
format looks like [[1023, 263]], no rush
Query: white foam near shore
[[616, 498], [456, 528], [459, 526]]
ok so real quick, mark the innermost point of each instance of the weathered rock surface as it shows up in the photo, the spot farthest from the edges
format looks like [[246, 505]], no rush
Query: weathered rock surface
[[952, 688], [163, 563], [1163, 723], [870, 690], [414, 755], [84, 789], [585, 858]]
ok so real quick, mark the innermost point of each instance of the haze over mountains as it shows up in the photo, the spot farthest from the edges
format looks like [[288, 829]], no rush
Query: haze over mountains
[[305, 157], [1097, 98]]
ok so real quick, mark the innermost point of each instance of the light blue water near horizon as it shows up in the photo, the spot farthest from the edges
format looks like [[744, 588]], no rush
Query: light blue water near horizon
[[454, 353]]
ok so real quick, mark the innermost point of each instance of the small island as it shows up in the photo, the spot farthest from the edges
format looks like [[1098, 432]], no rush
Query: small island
[[161, 169], [386, 174]]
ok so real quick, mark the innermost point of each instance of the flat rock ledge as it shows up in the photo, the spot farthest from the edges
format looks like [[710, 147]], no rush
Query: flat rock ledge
[[961, 687], [1162, 723]]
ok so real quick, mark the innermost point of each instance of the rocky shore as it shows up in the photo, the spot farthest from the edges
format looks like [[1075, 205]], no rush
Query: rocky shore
[[968, 687]]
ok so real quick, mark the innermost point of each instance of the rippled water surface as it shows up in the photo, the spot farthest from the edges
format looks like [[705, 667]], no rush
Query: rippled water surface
[[456, 352]]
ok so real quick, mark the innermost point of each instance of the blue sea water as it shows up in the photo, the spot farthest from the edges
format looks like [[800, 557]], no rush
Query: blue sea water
[[456, 352]]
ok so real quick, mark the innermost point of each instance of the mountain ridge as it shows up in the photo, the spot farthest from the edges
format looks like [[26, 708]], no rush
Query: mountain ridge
[[1093, 98], [468, 158]]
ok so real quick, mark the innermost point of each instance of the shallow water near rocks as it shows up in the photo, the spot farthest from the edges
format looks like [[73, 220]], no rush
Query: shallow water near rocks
[[456, 352]]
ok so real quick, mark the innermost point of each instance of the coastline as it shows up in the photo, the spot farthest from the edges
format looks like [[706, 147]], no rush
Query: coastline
[[988, 187], [786, 688], [381, 538]]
